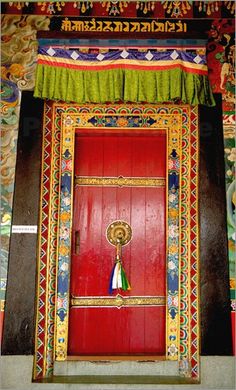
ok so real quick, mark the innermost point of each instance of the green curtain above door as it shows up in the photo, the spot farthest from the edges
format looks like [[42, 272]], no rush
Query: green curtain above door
[[129, 75]]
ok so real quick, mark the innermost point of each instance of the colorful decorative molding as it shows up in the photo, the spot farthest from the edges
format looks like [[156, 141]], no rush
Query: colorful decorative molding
[[182, 310], [48, 240], [189, 244], [65, 229]]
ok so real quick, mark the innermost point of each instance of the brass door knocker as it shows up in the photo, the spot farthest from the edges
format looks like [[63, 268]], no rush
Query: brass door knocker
[[118, 233]]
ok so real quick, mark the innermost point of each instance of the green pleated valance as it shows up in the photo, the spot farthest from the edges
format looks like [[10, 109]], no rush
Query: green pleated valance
[[123, 75]]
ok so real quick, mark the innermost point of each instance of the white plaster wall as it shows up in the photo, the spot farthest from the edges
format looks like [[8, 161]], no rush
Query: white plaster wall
[[217, 372]]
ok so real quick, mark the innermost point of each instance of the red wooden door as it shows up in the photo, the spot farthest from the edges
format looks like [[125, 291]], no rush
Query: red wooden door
[[133, 329]]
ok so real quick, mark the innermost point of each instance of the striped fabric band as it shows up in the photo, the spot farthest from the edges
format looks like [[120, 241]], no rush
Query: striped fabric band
[[124, 59]]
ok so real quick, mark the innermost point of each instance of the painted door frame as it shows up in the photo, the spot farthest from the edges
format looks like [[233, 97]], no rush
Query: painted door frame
[[182, 260]]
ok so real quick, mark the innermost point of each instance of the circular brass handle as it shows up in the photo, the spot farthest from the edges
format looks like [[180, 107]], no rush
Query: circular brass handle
[[119, 232]]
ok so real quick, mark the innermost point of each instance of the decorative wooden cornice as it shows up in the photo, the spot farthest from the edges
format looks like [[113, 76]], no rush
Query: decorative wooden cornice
[[171, 8]]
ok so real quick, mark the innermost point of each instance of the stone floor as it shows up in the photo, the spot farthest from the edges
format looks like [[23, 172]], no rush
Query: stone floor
[[217, 372]]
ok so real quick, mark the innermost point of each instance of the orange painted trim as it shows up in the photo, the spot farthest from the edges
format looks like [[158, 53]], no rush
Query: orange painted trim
[[233, 331], [149, 67], [1, 325], [99, 358]]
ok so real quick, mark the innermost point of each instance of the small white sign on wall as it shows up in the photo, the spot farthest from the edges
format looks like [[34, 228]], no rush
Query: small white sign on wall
[[24, 229]]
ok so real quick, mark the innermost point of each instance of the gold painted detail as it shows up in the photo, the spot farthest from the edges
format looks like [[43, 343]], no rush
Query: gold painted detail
[[117, 301], [120, 181], [119, 232]]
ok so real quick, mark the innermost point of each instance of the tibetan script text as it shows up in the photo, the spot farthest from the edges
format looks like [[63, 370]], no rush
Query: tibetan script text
[[94, 25]]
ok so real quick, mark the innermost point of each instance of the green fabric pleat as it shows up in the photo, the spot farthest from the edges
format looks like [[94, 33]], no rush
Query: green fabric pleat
[[114, 85]]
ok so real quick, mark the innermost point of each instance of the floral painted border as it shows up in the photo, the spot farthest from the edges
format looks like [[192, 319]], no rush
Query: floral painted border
[[64, 237]]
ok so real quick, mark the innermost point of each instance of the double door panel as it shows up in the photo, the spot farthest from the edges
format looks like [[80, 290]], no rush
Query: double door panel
[[102, 162]]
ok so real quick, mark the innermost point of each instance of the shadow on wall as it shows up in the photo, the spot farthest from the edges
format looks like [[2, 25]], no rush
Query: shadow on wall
[[214, 268]]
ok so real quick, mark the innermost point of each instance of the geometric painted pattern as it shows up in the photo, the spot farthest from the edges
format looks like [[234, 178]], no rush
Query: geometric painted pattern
[[189, 321], [194, 247], [181, 123], [40, 358], [47, 251], [52, 246]]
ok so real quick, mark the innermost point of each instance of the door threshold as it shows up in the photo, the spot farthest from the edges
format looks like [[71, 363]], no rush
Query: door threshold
[[119, 379], [141, 358], [144, 365]]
